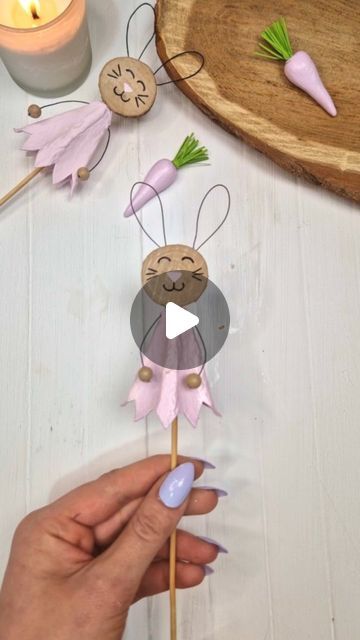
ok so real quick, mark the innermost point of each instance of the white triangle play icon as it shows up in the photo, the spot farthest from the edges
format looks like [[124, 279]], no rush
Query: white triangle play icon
[[178, 320]]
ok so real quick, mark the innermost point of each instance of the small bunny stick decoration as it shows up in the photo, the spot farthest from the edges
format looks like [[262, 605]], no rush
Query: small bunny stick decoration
[[66, 143], [172, 378]]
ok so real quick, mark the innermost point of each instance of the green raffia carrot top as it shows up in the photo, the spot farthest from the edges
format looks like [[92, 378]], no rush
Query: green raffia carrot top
[[190, 152], [277, 37]]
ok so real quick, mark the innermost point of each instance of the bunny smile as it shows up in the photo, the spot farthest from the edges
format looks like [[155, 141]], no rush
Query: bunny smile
[[174, 287], [121, 94]]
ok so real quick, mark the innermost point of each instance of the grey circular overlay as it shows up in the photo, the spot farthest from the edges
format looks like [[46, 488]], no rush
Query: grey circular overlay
[[196, 346]]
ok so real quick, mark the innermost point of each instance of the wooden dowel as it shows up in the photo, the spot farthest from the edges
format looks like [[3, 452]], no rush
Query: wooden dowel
[[20, 186], [172, 560], [174, 444]]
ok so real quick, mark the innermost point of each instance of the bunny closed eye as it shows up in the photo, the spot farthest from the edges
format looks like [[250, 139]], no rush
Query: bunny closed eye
[[127, 87]]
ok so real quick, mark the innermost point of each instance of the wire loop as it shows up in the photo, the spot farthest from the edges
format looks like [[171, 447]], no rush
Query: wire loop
[[146, 184], [199, 213], [54, 104], [143, 4], [178, 55]]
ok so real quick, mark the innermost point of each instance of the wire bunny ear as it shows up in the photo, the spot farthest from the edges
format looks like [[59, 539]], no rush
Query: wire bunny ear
[[163, 65], [144, 4], [199, 214], [179, 55], [146, 184]]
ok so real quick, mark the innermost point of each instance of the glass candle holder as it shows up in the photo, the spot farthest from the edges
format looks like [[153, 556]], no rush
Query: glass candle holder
[[45, 44]]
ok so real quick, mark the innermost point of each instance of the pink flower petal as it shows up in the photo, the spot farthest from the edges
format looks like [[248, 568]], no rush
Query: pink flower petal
[[68, 141]]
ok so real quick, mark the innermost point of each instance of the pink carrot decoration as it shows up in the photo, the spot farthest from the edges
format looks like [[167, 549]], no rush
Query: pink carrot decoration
[[300, 69], [164, 173]]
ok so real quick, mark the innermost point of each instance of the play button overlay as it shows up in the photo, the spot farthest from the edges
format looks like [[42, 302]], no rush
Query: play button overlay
[[178, 321], [179, 336]]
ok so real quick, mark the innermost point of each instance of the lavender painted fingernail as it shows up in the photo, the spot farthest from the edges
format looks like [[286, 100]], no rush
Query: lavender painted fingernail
[[206, 463], [220, 547], [221, 493], [208, 571], [177, 485]]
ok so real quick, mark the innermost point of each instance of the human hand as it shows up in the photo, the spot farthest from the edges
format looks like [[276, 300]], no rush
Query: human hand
[[77, 565]]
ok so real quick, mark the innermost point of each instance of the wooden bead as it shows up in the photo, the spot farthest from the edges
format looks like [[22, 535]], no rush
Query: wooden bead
[[83, 173], [193, 381], [145, 374], [34, 111]]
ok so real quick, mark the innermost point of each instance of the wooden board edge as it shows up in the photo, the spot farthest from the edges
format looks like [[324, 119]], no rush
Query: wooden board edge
[[322, 175]]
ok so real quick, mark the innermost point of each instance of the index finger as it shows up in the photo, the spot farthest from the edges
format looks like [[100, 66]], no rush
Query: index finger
[[96, 501]]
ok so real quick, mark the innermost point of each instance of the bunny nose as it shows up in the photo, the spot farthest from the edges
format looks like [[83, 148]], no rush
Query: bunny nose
[[174, 275], [127, 88]]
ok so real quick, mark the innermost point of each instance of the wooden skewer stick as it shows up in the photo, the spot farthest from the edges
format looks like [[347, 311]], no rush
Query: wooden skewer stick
[[174, 456], [20, 186]]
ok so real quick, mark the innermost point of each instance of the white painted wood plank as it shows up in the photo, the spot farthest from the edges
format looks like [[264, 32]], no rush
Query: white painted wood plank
[[331, 297], [296, 545], [14, 329]]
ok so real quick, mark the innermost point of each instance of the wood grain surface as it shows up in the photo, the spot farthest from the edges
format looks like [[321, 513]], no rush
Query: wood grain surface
[[286, 382], [252, 98]]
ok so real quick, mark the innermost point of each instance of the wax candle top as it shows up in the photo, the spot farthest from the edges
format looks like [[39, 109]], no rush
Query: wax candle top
[[58, 24], [29, 14]]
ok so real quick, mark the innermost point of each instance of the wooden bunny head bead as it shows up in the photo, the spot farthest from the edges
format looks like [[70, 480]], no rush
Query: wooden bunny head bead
[[128, 87], [174, 273]]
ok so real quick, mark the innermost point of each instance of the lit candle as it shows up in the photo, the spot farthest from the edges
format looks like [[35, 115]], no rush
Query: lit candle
[[45, 44], [29, 14]]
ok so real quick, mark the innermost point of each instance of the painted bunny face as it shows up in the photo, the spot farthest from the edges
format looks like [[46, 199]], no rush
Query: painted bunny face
[[174, 273], [127, 87]]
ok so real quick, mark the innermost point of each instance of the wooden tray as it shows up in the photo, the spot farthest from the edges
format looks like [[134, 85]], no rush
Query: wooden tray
[[250, 96]]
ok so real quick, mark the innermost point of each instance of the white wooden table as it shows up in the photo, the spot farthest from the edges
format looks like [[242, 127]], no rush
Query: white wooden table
[[287, 381]]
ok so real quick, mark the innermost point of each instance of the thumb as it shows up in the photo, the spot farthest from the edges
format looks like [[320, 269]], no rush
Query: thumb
[[150, 527]]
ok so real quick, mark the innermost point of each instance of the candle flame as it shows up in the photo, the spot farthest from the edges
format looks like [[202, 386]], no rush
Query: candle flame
[[32, 7]]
